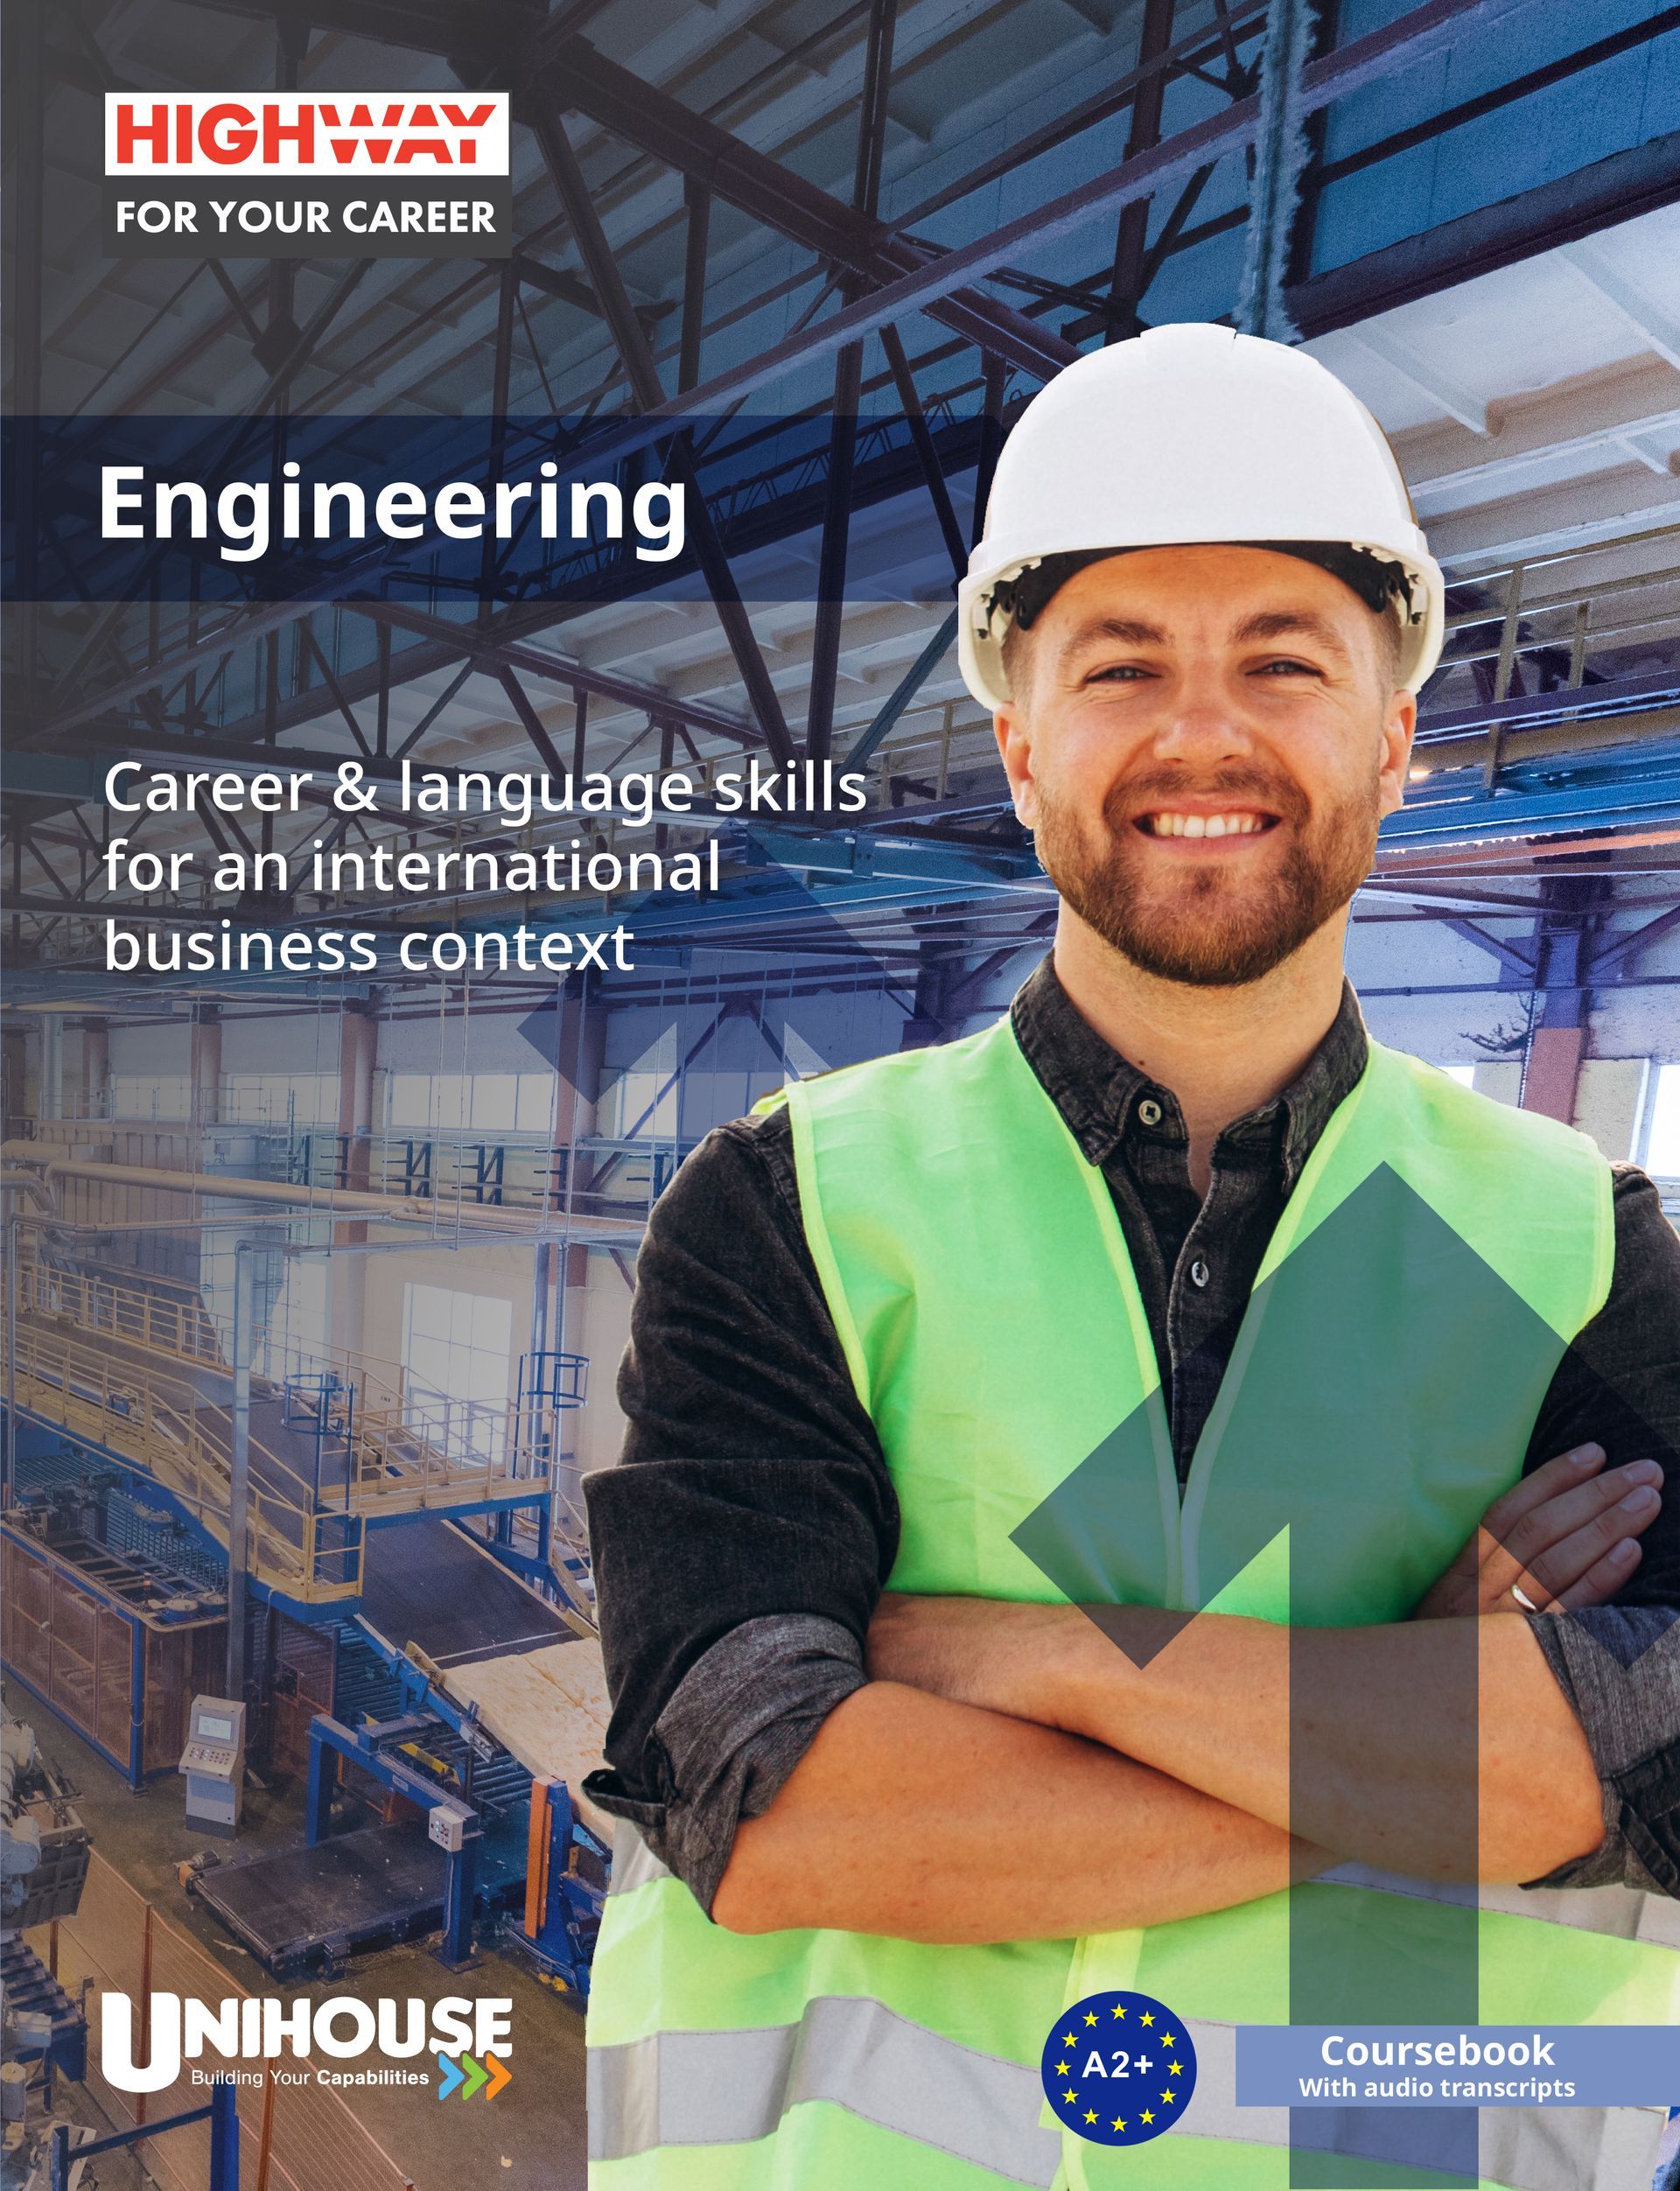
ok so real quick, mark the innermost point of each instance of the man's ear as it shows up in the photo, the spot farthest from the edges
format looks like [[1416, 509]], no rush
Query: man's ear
[[1399, 728], [1015, 747]]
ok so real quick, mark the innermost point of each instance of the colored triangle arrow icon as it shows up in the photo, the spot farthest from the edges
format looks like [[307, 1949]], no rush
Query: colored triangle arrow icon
[[476, 2075], [500, 2074], [451, 2080]]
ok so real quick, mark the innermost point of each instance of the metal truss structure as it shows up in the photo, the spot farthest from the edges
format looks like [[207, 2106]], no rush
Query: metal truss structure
[[811, 260]]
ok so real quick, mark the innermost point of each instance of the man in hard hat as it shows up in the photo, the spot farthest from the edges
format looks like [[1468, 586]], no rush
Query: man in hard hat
[[961, 1379]]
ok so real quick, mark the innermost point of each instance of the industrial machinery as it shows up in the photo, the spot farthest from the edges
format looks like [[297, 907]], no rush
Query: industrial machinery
[[450, 1853], [107, 1614], [566, 1872], [213, 1765], [43, 1849]]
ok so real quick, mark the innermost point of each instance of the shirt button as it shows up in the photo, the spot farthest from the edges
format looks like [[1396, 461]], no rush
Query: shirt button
[[1199, 1273], [1149, 1111]]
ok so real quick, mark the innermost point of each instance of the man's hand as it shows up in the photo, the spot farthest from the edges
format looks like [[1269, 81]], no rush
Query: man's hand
[[1565, 1537]]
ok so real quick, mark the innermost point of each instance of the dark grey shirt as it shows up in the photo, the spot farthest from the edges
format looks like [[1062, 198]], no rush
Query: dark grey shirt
[[740, 1551]]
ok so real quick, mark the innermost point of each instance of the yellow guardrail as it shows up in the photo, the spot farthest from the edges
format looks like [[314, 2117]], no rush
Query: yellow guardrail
[[407, 1450], [185, 1445], [180, 1329]]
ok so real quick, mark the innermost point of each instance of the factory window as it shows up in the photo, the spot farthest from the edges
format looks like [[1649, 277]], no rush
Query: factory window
[[485, 1102], [291, 1297], [150, 1096], [661, 1097], [295, 1336], [646, 1099], [1662, 1156], [303, 1099], [455, 1350]]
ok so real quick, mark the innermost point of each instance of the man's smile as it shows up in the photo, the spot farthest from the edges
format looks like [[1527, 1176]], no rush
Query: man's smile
[[1199, 824]]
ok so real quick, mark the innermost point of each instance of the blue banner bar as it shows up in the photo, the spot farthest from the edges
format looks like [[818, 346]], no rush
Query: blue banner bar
[[1483, 2065]]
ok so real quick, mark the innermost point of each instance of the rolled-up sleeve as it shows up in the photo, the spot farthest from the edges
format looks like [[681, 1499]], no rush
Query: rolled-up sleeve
[[1619, 1664], [1620, 1671], [742, 1542]]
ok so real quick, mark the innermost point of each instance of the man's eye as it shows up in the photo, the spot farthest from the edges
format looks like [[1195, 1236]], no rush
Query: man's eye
[[1117, 673], [1286, 666]]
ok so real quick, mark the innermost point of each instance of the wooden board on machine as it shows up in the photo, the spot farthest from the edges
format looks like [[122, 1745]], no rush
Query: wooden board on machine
[[549, 1707]]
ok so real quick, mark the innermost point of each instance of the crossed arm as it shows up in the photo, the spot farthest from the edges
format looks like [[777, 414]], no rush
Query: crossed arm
[[1012, 1767]]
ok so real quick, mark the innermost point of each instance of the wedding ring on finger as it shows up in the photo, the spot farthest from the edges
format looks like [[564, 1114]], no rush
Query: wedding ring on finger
[[1522, 1599]]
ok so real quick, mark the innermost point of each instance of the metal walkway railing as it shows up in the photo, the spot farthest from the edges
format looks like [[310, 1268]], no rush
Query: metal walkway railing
[[145, 1375], [139, 1414]]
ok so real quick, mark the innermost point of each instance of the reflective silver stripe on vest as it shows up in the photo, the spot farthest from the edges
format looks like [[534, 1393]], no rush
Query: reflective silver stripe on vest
[[1617, 1913], [1659, 1920], [1525, 2148], [1556, 2149], [633, 1862], [727, 2087], [731, 2087], [722, 2088]]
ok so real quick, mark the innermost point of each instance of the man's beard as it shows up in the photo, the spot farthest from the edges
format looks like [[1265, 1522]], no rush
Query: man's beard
[[1208, 926]]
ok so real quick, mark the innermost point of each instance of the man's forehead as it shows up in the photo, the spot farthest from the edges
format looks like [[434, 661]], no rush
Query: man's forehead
[[1159, 595]]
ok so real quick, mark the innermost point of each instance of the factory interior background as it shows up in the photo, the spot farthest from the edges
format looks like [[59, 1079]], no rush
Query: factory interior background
[[317, 1283]]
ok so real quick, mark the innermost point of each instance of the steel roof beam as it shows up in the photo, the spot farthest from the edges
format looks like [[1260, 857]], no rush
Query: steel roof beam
[[1127, 281], [441, 644], [1610, 191], [1407, 42], [1624, 947], [478, 37], [848, 378], [575, 74], [531, 722], [487, 644], [630, 339]]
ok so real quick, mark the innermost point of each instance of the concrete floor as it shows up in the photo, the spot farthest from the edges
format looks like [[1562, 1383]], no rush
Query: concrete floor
[[530, 2137]]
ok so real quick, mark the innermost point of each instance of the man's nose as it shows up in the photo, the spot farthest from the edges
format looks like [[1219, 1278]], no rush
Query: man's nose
[[1201, 723]]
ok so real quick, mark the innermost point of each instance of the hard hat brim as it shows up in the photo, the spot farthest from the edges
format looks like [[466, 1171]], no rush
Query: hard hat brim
[[980, 633]]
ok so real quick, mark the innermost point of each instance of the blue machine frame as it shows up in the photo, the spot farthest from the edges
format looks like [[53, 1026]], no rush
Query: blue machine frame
[[567, 1865], [223, 2117], [329, 1739]]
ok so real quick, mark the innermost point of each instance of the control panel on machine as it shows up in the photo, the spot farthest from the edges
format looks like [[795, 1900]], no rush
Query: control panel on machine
[[213, 1764]]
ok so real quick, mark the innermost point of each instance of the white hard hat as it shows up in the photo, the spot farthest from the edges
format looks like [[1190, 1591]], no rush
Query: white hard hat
[[1187, 435]]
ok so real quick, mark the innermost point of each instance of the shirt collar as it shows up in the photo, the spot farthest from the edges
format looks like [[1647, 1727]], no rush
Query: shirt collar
[[1106, 1101]]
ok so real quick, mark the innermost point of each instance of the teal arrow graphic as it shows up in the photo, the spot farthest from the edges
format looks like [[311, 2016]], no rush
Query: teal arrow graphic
[[1370, 1408], [1379, 1395], [451, 2080]]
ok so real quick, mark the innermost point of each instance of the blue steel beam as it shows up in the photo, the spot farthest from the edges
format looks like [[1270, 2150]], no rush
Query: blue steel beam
[[1570, 703], [1651, 798]]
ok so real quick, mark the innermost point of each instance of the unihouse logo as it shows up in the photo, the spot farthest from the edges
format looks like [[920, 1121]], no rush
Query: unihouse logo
[[466, 2038], [295, 174]]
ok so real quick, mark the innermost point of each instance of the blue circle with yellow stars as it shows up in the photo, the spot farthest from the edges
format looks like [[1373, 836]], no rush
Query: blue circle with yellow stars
[[1118, 2069]]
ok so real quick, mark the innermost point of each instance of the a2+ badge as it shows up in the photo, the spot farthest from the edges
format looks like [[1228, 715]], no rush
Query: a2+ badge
[[1118, 2069]]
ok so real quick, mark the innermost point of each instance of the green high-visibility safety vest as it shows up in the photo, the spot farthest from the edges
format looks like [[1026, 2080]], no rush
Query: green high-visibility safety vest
[[981, 1287]]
